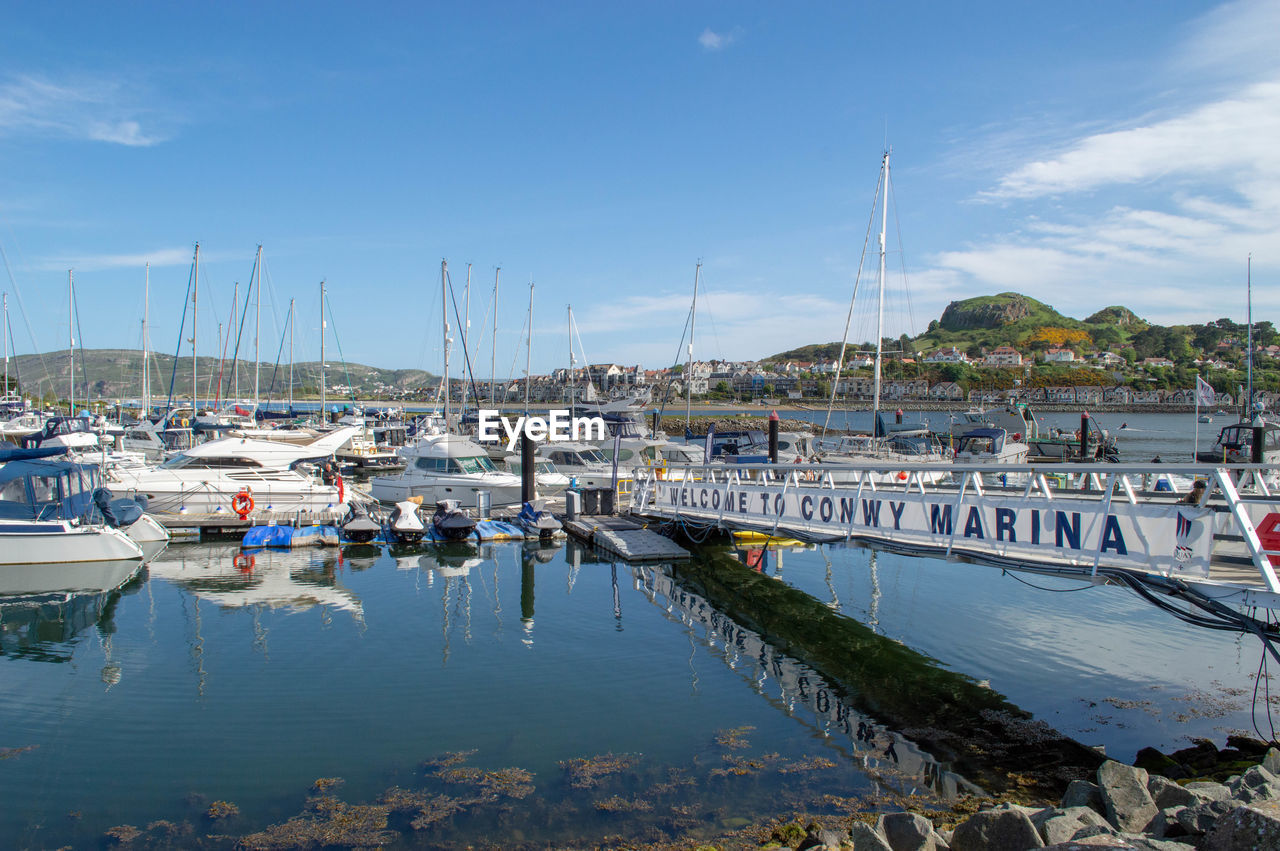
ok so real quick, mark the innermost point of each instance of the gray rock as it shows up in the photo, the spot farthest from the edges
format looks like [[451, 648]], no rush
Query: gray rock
[[1082, 793], [1199, 819], [907, 832], [1262, 783], [996, 830], [1124, 795], [823, 838], [1145, 843], [1091, 842], [1093, 830], [1167, 794], [1249, 827], [1166, 822], [1271, 762], [1062, 825], [1208, 790], [864, 838]]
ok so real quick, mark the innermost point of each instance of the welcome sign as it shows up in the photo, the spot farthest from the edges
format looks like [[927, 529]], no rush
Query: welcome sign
[[1168, 538]]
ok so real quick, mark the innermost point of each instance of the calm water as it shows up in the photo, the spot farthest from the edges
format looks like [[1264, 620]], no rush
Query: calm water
[[208, 681]]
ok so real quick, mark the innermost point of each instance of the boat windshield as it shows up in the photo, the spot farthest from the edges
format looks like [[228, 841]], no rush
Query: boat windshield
[[474, 464], [48, 492], [592, 456]]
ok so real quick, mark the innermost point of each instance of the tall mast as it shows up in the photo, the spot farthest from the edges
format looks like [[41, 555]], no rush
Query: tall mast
[[71, 336], [324, 367], [235, 353], [444, 316], [6, 344], [528, 354], [195, 288], [146, 377], [1249, 319], [291, 357], [493, 362], [571, 359], [257, 329], [466, 331], [884, 224], [688, 370]]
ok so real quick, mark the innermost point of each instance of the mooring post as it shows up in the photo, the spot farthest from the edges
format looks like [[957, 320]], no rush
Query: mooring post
[[773, 437], [654, 427], [526, 469], [898, 416], [1255, 448], [1084, 436]]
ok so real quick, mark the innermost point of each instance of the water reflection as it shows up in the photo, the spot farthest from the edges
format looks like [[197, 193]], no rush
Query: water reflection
[[48, 627]]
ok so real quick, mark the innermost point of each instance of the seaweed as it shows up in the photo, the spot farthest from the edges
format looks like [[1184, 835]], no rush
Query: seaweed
[[588, 772]]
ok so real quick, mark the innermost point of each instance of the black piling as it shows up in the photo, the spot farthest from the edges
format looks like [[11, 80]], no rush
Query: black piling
[[526, 469], [1255, 449], [773, 437], [1084, 436]]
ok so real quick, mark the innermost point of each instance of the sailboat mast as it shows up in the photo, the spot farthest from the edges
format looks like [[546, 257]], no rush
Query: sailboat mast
[[688, 370], [1249, 319], [466, 332], [444, 317], [257, 329], [195, 288], [6, 344], [493, 360], [884, 225], [290, 357], [71, 337], [528, 354], [146, 316], [571, 358], [235, 353]]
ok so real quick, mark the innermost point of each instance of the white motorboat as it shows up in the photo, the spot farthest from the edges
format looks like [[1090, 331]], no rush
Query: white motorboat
[[547, 478], [205, 478], [444, 467], [581, 461], [48, 517], [990, 446]]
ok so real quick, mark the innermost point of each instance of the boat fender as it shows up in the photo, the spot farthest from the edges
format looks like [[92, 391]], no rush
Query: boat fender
[[242, 503], [1017, 435], [243, 562], [341, 490], [902, 475]]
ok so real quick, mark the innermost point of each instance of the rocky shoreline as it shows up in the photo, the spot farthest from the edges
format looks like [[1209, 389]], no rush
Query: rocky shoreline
[[1125, 806]]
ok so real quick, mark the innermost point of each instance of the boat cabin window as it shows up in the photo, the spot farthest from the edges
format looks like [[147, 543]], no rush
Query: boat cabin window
[[179, 462], [593, 456], [473, 464]]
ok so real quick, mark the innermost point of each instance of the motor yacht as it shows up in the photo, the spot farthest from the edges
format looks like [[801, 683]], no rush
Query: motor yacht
[[446, 466]]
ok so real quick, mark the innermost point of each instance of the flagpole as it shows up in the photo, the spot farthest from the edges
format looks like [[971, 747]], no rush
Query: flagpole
[[1196, 451]]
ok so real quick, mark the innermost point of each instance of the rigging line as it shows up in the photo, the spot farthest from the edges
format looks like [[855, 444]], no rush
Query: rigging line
[[22, 308], [182, 328], [84, 370], [902, 260], [516, 351], [844, 341], [275, 371], [466, 356], [1044, 588], [666, 385], [338, 340]]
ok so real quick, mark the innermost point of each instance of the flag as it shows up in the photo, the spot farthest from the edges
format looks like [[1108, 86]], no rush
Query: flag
[[1205, 394]]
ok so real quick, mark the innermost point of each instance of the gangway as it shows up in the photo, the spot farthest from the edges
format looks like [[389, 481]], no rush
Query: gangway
[[1215, 547]]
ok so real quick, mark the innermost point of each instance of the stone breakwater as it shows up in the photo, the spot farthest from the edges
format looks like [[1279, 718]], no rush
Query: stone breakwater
[[1125, 808]]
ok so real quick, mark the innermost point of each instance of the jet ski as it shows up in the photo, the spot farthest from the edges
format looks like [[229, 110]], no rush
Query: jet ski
[[450, 522], [534, 518], [405, 524]]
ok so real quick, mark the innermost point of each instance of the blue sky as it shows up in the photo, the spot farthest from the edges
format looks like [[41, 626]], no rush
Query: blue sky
[[1086, 154]]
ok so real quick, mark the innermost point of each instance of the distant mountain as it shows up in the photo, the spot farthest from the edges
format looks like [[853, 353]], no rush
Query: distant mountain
[[1116, 315], [117, 374], [814, 353], [998, 311]]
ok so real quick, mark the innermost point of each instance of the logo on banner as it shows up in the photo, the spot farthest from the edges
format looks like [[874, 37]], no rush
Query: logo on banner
[[1182, 534]]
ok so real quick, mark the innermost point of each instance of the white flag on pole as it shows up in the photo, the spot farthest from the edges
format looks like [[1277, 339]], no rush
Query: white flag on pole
[[1205, 394]]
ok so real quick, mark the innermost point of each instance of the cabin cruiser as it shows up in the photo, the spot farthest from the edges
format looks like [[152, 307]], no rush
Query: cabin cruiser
[[206, 478], [18, 424], [446, 466], [581, 461], [1048, 445], [1235, 444], [157, 441], [548, 479], [49, 514], [990, 446]]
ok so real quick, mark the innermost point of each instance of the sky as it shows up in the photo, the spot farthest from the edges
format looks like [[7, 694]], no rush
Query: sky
[[1085, 154]]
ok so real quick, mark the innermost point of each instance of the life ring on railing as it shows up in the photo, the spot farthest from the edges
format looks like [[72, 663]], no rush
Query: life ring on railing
[[243, 562], [902, 475], [341, 490], [242, 503]]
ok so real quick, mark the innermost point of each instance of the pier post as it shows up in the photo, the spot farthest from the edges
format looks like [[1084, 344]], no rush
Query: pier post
[[654, 427], [1084, 436], [527, 481], [773, 437], [1255, 448]]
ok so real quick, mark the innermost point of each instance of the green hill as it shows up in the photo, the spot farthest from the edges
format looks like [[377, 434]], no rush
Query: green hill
[[117, 374]]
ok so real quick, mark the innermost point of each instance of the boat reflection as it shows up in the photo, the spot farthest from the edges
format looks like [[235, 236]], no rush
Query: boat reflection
[[47, 627], [290, 580]]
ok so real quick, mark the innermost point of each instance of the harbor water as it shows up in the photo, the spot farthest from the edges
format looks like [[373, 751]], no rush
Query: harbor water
[[515, 694]]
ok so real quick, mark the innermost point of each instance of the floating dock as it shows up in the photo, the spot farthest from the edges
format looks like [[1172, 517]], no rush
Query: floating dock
[[625, 538]]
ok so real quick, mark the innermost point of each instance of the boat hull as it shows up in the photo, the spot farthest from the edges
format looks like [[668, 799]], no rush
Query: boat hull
[[59, 542]]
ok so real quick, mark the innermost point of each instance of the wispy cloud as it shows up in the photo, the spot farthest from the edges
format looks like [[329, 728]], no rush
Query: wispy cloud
[[712, 40], [95, 109], [159, 258]]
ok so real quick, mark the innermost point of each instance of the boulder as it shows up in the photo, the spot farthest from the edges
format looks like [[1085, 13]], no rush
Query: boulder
[[1201, 757], [1060, 825], [1082, 793], [1139, 842], [1167, 794], [1262, 785], [907, 832], [1093, 830], [1248, 827], [1271, 762], [1157, 763], [1092, 842], [821, 838], [1248, 745], [1209, 791], [996, 830], [1199, 819], [1128, 804], [864, 838], [1165, 824]]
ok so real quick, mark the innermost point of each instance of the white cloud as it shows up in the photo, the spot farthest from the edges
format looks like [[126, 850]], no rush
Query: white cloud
[[712, 40], [93, 109], [159, 258]]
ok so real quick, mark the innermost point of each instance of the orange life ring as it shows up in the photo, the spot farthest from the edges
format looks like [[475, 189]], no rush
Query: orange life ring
[[243, 563], [902, 475], [242, 503]]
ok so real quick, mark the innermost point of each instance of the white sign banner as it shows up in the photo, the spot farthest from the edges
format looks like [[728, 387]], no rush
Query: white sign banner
[[1165, 538]]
